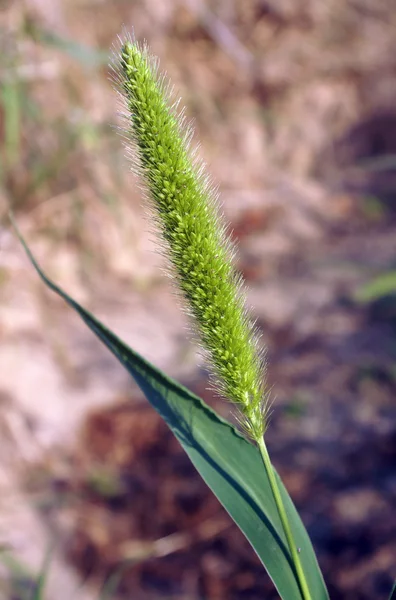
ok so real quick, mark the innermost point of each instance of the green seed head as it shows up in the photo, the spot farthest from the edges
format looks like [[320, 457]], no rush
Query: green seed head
[[185, 208]]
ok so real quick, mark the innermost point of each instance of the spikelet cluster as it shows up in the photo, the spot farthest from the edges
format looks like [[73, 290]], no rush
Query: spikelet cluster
[[185, 208]]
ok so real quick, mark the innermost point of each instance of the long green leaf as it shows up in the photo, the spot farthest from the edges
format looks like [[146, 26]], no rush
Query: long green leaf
[[393, 592], [41, 581], [10, 96], [230, 465], [377, 288]]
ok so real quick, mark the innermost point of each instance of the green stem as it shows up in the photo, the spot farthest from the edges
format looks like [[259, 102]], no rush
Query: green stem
[[284, 520]]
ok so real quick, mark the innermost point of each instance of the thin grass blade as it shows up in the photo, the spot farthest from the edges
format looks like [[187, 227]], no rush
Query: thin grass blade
[[229, 464]]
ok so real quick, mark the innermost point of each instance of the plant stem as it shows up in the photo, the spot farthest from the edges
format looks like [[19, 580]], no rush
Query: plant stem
[[284, 520]]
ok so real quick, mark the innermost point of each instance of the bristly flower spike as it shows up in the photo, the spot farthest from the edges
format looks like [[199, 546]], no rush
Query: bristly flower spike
[[186, 211]]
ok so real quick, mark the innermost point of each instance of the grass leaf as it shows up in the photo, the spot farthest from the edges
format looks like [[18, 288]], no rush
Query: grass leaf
[[393, 592], [230, 465], [378, 287]]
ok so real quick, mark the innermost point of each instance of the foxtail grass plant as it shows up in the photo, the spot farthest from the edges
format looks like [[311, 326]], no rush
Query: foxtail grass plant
[[185, 208]]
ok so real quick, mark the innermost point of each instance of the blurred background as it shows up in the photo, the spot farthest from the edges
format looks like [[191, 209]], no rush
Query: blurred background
[[294, 108]]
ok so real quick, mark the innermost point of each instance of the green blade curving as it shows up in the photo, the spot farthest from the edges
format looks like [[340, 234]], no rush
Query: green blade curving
[[229, 464]]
